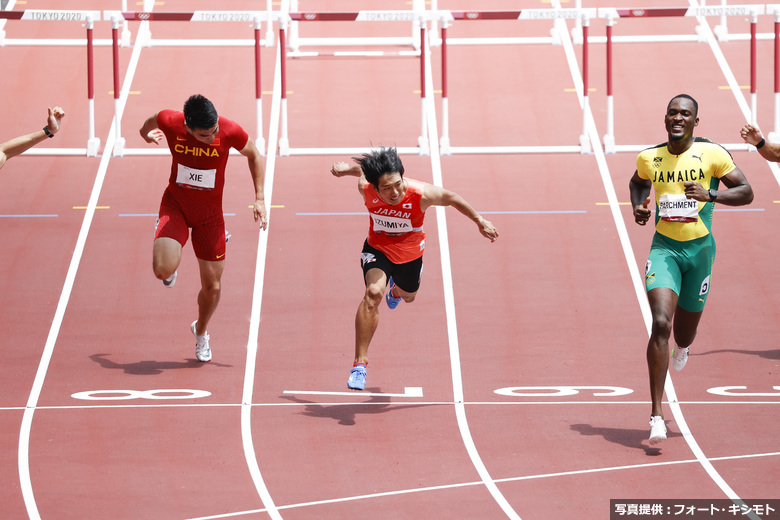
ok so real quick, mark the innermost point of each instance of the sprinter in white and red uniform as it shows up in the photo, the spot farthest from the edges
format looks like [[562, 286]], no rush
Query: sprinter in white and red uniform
[[392, 253], [200, 141]]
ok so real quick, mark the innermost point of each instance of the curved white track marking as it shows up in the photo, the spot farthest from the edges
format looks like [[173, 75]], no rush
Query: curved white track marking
[[43, 366], [628, 253], [257, 299], [449, 301]]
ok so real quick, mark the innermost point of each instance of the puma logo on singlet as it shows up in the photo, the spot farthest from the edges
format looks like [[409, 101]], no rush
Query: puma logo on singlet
[[697, 157]]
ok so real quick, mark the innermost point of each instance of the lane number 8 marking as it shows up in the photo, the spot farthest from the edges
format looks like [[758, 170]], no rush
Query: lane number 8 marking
[[124, 395]]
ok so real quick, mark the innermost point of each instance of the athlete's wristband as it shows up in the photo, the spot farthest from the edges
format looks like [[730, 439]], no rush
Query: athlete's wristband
[[47, 132], [761, 143], [713, 195]]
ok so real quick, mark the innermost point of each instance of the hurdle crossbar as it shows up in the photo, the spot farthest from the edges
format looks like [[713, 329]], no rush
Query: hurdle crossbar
[[88, 18], [254, 17], [612, 14], [295, 41]]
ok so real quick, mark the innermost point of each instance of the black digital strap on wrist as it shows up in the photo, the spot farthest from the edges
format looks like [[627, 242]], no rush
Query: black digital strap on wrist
[[761, 143], [47, 132]]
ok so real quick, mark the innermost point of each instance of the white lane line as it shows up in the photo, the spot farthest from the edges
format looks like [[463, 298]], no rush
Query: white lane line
[[635, 276], [409, 391], [449, 301], [479, 483], [48, 350], [250, 455]]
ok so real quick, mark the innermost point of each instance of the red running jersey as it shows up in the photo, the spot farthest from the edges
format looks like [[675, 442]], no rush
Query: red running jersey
[[198, 169], [397, 230]]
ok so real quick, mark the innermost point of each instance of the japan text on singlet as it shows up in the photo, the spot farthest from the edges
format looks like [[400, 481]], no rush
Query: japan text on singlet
[[678, 217], [197, 165], [397, 230]]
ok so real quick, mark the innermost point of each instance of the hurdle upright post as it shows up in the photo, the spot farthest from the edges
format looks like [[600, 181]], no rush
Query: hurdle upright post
[[422, 141], [444, 140], [753, 97], [93, 143], [609, 138], [259, 140], [584, 140], [284, 142], [119, 141], [775, 136]]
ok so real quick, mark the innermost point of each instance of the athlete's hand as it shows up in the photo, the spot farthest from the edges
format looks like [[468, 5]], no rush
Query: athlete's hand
[[695, 191], [260, 214], [53, 121], [642, 213], [487, 229], [339, 169], [154, 137], [751, 134]]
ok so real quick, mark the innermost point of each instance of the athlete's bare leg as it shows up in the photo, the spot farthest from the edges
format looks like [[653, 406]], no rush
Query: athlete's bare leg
[[166, 256], [208, 297], [663, 302], [686, 323], [367, 316]]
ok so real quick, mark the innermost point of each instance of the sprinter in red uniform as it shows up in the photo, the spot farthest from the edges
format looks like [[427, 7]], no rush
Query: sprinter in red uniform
[[392, 253], [200, 142]]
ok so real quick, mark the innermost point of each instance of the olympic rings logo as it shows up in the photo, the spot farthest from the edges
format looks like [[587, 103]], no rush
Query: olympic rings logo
[[638, 12], [124, 395], [144, 16], [310, 16], [471, 15]]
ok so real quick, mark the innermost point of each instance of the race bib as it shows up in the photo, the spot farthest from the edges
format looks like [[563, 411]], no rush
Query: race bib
[[385, 225], [196, 179], [676, 207]]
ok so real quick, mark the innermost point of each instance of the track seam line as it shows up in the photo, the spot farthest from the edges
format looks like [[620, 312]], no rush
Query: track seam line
[[43, 366], [449, 297]]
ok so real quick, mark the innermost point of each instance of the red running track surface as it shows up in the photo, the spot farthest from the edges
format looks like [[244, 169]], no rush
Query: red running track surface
[[548, 315]]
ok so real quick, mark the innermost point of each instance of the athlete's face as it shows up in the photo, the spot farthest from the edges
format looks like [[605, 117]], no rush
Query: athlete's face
[[680, 119], [206, 136], [391, 187]]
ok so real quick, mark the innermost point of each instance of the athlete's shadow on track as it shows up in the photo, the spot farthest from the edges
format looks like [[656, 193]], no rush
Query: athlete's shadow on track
[[149, 367], [625, 437], [766, 354], [346, 413]]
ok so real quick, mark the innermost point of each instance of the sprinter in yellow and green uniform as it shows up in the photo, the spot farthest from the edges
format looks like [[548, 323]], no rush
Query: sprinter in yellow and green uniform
[[686, 173]]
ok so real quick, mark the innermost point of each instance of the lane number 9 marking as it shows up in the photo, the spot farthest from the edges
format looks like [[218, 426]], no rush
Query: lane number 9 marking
[[561, 391]]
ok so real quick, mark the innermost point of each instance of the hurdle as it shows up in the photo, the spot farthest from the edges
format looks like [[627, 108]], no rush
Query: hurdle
[[256, 18], [418, 17], [88, 18], [751, 11], [558, 16], [295, 41]]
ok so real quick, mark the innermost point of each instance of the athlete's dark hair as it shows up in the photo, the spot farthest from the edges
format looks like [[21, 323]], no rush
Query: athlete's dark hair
[[686, 96], [199, 113], [379, 162]]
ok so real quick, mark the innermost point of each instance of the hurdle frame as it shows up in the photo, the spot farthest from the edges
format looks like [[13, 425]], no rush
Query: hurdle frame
[[581, 17], [87, 17], [256, 18], [611, 14], [418, 18]]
